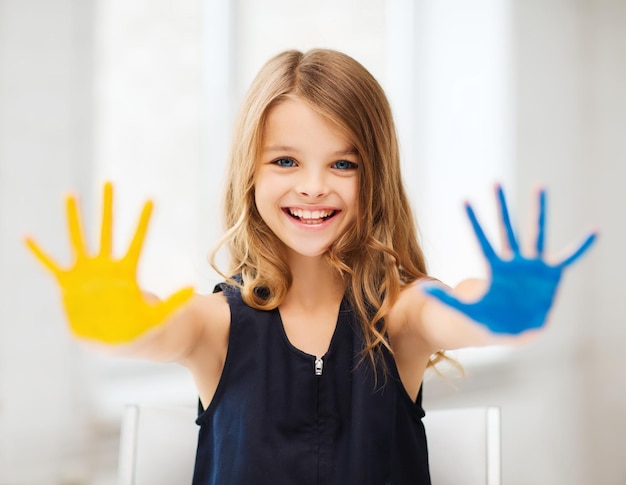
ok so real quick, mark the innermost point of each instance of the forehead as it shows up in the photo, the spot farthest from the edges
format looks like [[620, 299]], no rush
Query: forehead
[[293, 122]]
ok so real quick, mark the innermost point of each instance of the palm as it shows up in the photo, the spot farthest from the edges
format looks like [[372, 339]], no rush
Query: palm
[[102, 299], [521, 289]]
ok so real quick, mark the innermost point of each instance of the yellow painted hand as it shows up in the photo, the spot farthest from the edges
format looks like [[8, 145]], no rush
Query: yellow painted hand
[[102, 299]]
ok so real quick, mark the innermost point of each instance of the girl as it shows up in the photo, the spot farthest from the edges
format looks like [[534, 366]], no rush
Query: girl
[[309, 358]]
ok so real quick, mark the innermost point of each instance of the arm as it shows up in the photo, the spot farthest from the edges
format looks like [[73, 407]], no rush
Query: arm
[[104, 304], [196, 331], [505, 309]]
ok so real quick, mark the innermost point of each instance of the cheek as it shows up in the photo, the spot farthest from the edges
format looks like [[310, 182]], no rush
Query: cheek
[[259, 201], [258, 188], [351, 192], [264, 197], [261, 189]]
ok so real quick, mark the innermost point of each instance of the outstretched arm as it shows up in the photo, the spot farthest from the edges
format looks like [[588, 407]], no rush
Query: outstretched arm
[[102, 300], [516, 297]]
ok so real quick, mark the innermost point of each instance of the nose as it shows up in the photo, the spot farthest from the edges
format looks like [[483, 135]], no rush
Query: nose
[[312, 184]]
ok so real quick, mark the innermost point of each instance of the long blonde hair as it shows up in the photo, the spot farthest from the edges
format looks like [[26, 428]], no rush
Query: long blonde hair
[[380, 254]]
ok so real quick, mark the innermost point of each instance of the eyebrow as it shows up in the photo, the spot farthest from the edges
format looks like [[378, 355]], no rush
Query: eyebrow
[[286, 148]]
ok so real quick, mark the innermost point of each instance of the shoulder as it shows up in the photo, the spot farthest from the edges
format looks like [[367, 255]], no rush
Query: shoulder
[[211, 313], [404, 323], [411, 350], [212, 306], [406, 309]]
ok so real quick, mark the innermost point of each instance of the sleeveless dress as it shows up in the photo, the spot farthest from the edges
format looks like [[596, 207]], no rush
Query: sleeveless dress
[[282, 416]]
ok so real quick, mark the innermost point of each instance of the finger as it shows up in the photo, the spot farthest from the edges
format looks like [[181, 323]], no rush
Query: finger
[[582, 249], [175, 301], [106, 231], [444, 296], [43, 258], [134, 250], [488, 251], [506, 221], [76, 232], [541, 223]]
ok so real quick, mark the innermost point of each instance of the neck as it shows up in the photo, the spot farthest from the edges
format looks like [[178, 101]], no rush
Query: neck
[[315, 283]]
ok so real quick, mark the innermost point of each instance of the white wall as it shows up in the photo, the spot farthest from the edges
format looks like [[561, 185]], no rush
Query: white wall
[[571, 120], [563, 396], [604, 389], [45, 136]]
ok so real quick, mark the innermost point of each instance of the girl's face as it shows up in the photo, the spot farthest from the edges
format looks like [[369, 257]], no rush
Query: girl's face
[[306, 183]]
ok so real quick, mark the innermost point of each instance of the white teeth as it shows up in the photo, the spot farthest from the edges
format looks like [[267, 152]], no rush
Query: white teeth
[[310, 215]]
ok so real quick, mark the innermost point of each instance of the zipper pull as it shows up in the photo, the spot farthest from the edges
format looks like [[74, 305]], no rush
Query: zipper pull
[[319, 366]]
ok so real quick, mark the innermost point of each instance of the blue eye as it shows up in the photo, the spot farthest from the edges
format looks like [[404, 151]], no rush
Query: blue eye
[[285, 162], [345, 165]]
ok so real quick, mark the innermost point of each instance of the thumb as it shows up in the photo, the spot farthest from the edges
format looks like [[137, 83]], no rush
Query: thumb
[[175, 301], [439, 292], [42, 256]]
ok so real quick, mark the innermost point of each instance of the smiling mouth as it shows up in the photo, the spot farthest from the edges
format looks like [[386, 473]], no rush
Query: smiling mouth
[[311, 216]]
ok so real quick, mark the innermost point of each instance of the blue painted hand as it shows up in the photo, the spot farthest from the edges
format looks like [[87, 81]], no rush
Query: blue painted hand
[[521, 288]]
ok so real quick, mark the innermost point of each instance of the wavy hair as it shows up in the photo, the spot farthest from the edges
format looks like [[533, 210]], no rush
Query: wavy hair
[[380, 254]]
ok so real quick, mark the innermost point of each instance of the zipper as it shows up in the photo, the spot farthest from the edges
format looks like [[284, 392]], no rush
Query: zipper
[[319, 366]]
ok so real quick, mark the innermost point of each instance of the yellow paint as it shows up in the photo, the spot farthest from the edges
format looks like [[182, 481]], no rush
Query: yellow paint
[[102, 299]]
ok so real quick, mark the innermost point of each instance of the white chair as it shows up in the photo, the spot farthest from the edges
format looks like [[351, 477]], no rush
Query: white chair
[[464, 446], [158, 446]]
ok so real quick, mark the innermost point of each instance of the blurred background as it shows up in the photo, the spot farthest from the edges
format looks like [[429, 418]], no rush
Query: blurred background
[[144, 92]]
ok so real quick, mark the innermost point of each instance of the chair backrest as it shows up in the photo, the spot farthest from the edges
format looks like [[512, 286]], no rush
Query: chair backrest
[[158, 445], [464, 446]]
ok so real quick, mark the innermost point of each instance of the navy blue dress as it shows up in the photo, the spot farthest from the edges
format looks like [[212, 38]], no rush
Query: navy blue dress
[[281, 416]]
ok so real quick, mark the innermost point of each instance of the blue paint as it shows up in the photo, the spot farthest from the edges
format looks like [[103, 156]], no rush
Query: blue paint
[[521, 289]]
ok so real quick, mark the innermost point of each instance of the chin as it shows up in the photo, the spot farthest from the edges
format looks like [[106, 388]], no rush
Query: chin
[[309, 252]]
